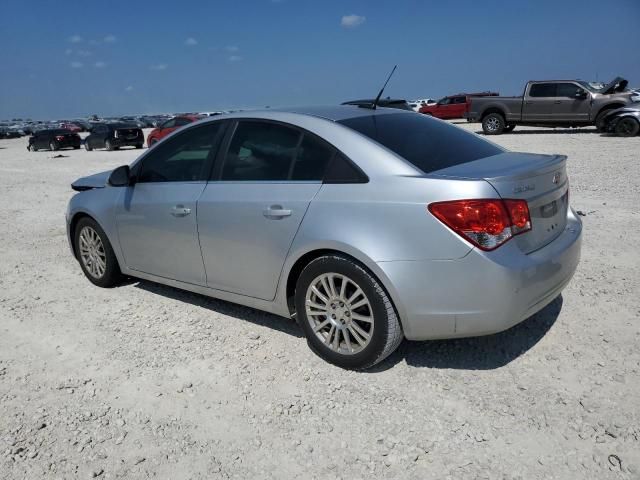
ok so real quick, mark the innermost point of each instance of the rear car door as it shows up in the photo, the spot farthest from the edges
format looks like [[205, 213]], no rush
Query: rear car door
[[156, 217], [572, 103], [539, 102], [250, 212]]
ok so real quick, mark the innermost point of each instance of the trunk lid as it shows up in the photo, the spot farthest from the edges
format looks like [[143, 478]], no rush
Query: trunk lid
[[128, 133], [541, 180]]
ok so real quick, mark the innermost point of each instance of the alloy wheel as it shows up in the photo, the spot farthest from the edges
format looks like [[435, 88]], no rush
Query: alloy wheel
[[92, 253], [339, 313]]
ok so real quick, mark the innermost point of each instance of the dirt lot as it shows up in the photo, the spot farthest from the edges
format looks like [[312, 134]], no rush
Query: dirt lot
[[148, 381]]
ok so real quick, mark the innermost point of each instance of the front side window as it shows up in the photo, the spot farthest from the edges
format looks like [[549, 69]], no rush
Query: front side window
[[169, 123], [542, 90], [460, 100], [444, 101], [260, 151], [183, 158], [570, 90], [181, 122]]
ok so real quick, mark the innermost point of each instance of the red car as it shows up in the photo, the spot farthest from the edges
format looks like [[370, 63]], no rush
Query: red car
[[169, 126], [72, 127], [453, 106]]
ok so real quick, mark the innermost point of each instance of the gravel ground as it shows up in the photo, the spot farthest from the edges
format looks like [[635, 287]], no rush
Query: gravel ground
[[149, 381]]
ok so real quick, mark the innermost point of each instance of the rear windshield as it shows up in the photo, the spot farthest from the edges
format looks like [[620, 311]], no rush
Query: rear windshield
[[427, 143]]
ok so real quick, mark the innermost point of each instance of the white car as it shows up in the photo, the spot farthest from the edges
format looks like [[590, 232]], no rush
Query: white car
[[416, 104]]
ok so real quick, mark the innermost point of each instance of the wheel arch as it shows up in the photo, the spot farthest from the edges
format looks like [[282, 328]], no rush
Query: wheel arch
[[609, 106], [491, 110], [304, 258]]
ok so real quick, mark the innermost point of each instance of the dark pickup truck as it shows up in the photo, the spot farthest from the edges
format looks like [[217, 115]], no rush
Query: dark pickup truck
[[550, 103]]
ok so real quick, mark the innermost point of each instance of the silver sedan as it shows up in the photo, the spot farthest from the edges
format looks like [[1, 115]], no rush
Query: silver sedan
[[367, 226]]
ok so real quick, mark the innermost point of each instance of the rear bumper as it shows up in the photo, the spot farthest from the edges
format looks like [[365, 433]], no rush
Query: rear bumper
[[484, 292]]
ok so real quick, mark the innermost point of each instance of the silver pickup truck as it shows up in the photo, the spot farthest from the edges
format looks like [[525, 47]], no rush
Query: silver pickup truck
[[550, 103]]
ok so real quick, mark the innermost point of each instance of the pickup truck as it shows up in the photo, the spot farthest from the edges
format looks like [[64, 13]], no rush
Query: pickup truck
[[550, 103]]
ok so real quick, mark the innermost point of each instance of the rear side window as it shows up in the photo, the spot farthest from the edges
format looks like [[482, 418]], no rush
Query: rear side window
[[312, 159], [542, 90], [260, 151], [427, 143]]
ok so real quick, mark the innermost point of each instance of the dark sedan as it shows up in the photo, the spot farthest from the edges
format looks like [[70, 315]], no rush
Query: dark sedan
[[54, 139], [112, 136]]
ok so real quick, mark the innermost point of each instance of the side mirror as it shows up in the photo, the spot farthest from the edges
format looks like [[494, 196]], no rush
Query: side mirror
[[120, 177], [581, 95]]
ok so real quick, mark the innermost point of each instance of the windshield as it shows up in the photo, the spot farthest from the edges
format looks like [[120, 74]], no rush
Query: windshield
[[426, 143], [589, 86]]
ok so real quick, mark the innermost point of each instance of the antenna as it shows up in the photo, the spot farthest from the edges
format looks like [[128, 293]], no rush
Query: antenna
[[375, 102]]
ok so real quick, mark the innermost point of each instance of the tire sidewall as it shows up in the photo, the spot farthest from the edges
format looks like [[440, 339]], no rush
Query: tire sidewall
[[112, 270], [635, 128], [365, 281], [500, 128]]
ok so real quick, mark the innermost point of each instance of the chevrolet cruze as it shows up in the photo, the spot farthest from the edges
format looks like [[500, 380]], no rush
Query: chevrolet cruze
[[366, 225]]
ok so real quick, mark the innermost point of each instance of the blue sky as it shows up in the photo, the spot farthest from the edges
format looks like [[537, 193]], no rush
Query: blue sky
[[75, 58]]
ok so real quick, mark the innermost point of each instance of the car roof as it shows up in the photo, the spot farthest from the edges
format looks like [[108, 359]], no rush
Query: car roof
[[334, 113]]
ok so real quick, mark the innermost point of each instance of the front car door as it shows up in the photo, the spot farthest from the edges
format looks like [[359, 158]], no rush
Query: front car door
[[156, 217], [250, 212], [572, 103], [443, 108], [539, 102]]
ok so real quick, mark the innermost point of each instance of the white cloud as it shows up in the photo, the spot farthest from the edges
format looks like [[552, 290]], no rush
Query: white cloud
[[75, 39], [235, 58], [68, 51], [99, 64], [159, 66], [231, 48], [352, 21], [190, 42], [84, 53], [109, 39], [76, 64], [129, 88]]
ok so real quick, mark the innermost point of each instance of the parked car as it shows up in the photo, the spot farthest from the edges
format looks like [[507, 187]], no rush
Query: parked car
[[169, 126], [72, 127], [54, 139], [7, 133], [112, 136], [383, 103], [417, 104], [624, 122], [551, 103], [453, 106], [367, 226]]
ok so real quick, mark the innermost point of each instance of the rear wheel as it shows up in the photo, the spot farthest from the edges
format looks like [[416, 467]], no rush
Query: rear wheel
[[627, 127], [53, 146], [32, 148], [139, 145], [87, 147], [108, 145], [493, 124], [96, 257], [345, 313]]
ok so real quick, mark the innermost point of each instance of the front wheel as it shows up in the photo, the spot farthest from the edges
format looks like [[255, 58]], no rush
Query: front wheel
[[87, 147], [345, 313], [139, 146], [94, 252], [627, 127], [493, 124]]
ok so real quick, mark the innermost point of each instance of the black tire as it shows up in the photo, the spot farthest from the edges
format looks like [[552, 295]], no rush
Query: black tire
[[32, 148], [108, 145], [509, 128], [87, 147], [139, 146], [77, 147], [53, 146], [493, 124], [387, 332], [599, 123], [112, 275], [152, 143], [627, 127]]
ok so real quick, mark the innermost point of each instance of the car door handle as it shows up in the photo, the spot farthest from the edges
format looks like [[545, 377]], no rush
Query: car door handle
[[180, 211], [276, 211]]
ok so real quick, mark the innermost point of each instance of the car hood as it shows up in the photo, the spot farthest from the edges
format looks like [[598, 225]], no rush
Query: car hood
[[616, 85], [98, 180]]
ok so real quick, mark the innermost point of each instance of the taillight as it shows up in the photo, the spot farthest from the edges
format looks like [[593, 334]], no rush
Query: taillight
[[59, 137], [486, 223]]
